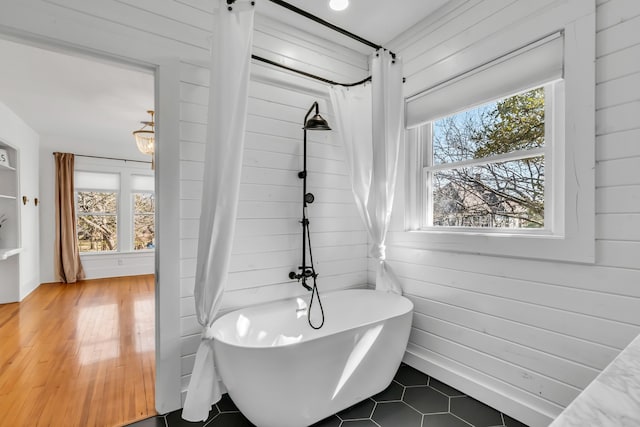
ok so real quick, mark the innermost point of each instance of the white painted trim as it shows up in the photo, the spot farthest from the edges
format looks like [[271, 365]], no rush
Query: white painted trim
[[167, 392], [168, 237], [505, 157]]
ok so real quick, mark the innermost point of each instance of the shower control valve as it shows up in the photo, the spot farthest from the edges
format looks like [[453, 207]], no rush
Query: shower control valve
[[308, 272], [309, 198]]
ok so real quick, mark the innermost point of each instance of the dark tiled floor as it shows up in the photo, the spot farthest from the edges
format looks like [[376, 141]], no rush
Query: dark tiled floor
[[412, 400]]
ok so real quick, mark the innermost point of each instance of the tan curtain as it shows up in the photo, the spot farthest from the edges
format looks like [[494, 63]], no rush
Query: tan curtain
[[67, 254]]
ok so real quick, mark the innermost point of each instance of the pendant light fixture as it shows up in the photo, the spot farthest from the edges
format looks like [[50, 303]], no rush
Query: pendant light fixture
[[145, 138]]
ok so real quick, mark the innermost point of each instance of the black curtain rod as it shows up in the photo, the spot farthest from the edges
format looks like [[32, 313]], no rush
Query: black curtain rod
[[325, 23], [304, 73], [110, 158]]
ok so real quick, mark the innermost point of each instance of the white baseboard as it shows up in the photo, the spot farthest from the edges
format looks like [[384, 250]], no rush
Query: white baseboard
[[100, 266], [512, 401]]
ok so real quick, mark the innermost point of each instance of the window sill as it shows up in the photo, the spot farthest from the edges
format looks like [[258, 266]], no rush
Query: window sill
[[468, 231], [116, 253], [579, 248]]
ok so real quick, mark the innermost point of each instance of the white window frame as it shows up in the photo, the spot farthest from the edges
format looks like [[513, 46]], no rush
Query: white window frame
[[116, 213], [133, 217], [571, 235], [125, 170], [423, 212]]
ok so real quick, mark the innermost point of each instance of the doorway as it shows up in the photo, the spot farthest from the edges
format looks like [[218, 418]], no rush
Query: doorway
[[88, 106]]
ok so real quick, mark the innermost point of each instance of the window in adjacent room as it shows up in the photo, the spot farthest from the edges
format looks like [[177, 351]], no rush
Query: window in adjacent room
[[115, 209], [143, 212], [97, 211]]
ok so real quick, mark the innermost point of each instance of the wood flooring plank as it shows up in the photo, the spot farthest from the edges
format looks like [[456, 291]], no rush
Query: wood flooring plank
[[79, 355]]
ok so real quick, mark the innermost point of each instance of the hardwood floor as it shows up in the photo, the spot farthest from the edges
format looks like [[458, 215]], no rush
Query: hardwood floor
[[79, 355]]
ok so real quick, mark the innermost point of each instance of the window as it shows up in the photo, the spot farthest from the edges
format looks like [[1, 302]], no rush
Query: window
[[486, 142], [143, 204], [485, 166], [143, 221], [97, 221], [500, 157], [97, 211], [115, 209]]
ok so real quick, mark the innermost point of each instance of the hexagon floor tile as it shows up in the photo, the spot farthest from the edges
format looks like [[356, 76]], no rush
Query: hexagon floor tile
[[413, 399]]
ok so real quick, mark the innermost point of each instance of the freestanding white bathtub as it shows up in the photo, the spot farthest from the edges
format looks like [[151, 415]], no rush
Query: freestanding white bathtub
[[282, 373]]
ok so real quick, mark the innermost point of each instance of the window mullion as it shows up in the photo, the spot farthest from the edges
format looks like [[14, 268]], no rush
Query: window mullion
[[498, 158], [427, 178]]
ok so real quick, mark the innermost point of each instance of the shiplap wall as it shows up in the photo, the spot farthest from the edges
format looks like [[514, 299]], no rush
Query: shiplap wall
[[267, 244], [175, 35], [526, 336]]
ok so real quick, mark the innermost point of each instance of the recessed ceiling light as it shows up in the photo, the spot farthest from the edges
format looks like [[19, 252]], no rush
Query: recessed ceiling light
[[338, 4]]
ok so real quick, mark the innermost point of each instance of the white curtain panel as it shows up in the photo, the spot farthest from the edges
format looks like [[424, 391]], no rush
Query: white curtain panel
[[228, 96], [369, 122]]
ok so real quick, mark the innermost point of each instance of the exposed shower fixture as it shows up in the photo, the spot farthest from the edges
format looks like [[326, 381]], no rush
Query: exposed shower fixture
[[317, 122]]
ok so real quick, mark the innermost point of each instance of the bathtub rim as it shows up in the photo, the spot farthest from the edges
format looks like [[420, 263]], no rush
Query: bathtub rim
[[216, 339]]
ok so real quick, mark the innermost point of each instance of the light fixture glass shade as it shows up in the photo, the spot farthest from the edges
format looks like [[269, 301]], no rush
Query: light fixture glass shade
[[145, 140]]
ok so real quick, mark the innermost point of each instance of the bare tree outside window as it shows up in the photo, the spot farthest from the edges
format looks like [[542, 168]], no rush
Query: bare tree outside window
[[97, 226], [487, 166], [143, 221]]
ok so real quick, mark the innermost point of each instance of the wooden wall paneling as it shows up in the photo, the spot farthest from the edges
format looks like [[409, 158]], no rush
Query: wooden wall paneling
[[174, 10], [603, 332], [595, 278], [140, 20], [618, 145], [570, 373], [618, 199], [601, 304], [496, 324], [618, 63], [618, 227], [620, 36]]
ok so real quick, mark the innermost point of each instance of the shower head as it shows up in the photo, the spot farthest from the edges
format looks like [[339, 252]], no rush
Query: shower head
[[317, 123]]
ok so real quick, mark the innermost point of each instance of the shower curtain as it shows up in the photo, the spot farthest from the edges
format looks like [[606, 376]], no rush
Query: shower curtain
[[369, 122], [228, 96]]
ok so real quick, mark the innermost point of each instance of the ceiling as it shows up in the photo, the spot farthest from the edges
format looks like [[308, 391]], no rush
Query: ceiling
[[87, 106], [378, 21], [76, 104]]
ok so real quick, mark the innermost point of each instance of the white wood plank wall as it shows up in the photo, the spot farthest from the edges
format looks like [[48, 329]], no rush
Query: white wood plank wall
[[525, 335]]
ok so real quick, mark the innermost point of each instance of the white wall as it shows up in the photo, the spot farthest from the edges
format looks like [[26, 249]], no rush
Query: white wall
[[95, 265], [524, 335], [23, 267], [174, 36]]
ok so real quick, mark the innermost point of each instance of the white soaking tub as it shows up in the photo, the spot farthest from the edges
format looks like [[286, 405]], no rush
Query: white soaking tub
[[282, 373]]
